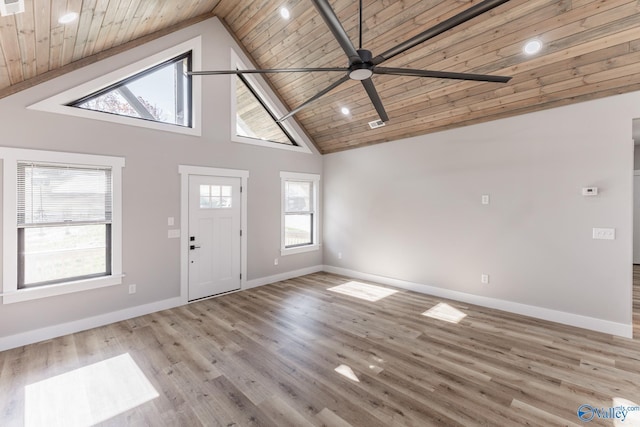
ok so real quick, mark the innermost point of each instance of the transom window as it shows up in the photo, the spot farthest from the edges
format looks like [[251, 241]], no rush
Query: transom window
[[253, 118], [299, 212], [215, 197], [255, 110], [160, 94], [153, 92]]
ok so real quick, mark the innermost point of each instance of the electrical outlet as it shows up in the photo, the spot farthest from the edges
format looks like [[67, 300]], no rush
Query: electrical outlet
[[485, 199], [132, 288], [339, 255], [484, 278], [275, 261]]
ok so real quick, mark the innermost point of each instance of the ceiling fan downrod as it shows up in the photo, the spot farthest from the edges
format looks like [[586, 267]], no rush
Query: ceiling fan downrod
[[360, 25]]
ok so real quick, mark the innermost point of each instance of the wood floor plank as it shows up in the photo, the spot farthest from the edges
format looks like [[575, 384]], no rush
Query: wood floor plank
[[296, 353], [329, 418]]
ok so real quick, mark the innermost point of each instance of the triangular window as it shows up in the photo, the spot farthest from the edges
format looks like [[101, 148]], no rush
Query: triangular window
[[160, 94], [254, 119]]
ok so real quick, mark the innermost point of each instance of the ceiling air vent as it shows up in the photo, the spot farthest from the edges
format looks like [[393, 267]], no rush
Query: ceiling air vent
[[11, 7], [376, 124]]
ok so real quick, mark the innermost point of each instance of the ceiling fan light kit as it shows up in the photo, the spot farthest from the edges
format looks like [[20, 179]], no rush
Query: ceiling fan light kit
[[363, 65]]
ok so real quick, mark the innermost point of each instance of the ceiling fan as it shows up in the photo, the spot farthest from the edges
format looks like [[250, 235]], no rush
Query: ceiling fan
[[362, 63]]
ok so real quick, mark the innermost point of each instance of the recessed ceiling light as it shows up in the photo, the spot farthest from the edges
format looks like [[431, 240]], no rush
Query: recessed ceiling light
[[284, 12], [11, 7], [532, 47], [345, 110], [68, 18]]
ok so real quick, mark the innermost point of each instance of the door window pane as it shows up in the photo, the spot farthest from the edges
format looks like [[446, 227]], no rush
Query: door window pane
[[215, 196]]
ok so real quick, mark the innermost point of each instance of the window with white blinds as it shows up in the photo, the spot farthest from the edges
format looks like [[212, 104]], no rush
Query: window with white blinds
[[64, 215], [299, 212], [61, 223], [51, 194]]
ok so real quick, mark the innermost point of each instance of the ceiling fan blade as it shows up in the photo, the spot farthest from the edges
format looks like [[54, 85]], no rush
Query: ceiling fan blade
[[314, 98], [440, 28], [264, 71], [336, 28], [440, 74], [375, 99]]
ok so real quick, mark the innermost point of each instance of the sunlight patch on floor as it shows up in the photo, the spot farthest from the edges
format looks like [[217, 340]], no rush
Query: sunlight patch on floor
[[346, 371], [363, 291], [628, 410], [443, 311], [88, 395]]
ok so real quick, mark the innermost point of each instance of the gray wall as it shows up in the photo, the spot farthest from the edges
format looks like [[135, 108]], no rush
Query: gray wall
[[151, 183], [411, 209], [408, 209]]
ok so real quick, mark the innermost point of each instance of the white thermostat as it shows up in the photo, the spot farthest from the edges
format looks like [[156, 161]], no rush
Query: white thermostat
[[590, 191]]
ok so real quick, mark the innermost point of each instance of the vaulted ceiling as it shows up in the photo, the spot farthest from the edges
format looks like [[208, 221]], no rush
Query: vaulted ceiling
[[591, 50]]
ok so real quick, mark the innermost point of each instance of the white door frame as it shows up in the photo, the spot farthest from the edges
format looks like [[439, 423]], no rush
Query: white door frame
[[185, 171]]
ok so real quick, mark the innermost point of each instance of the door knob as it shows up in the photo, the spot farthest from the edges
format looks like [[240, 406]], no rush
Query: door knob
[[192, 247]]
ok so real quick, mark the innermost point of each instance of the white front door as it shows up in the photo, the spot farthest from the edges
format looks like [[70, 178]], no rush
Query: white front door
[[214, 235]]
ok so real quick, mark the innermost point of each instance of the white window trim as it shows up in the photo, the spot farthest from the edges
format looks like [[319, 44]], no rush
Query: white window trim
[[11, 157], [296, 176], [259, 85], [58, 103]]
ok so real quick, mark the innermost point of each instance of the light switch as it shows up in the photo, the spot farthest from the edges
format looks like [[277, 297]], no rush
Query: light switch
[[170, 221], [485, 199], [604, 233]]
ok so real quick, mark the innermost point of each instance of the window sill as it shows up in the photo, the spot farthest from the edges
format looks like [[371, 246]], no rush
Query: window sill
[[60, 289], [299, 249]]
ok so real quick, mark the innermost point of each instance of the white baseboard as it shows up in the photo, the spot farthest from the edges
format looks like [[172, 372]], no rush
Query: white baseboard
[[50, 332], [585, 322], [254, 283], [591, 323]]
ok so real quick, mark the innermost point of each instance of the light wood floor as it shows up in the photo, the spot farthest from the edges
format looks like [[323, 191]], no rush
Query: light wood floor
[[268, 357]]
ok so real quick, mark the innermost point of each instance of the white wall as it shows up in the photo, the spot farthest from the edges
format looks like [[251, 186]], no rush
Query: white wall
[[411, 210], [151, 185]]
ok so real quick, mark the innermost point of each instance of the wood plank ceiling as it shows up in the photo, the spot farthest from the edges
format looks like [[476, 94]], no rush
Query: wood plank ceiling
[[591, 50]]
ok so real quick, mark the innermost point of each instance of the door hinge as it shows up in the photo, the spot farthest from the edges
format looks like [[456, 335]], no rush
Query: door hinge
[[240, 276], [240, 233], [241, 188]]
